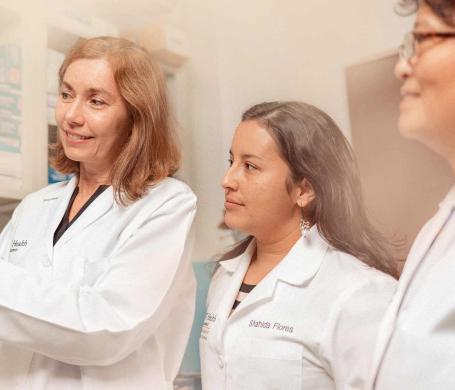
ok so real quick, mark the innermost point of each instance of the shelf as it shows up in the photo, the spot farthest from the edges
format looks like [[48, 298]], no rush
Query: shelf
[[65, 27]]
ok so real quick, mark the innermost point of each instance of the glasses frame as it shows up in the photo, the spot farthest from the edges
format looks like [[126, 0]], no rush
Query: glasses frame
[[408, 48]]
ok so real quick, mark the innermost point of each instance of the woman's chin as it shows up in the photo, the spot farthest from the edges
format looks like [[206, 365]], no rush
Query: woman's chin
[[234, 224], [409, 127]]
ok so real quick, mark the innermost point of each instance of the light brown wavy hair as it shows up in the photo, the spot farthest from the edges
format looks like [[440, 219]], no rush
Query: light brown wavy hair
[[315, 149], [151, 151]]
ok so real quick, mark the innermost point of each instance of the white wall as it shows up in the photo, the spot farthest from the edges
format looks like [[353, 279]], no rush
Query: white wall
[[248, 51]]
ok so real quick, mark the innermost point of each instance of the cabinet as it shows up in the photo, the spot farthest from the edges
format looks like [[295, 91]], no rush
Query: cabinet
[[23, 126]]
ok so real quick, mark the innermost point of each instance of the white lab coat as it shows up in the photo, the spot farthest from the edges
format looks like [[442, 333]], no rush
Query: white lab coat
[[111, 305], [416, 346], [310, 324]]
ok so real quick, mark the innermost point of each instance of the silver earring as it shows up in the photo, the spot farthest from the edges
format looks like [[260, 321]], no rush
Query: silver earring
[[304, 227]]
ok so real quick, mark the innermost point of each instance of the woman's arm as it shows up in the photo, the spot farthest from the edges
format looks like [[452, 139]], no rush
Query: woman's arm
[[350, 336], [102, 322]]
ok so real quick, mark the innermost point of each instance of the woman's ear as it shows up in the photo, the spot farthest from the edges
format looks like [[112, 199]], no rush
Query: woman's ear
[[305, 194]]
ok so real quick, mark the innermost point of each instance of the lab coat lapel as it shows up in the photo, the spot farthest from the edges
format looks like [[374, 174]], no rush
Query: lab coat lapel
[[100, 206], [59, 202], [421, 248], [298, 267], [418, 253], [238, 267]]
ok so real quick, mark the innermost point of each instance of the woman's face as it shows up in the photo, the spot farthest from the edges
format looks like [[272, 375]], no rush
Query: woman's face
[[257, 201], [427, 108], [91, 116]]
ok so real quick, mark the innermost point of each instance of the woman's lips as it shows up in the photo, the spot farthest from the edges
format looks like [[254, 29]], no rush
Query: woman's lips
[[409, 91], [231, 204], [76, 138]]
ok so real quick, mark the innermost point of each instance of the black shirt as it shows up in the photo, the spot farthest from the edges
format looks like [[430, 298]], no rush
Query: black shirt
[[65, 223]]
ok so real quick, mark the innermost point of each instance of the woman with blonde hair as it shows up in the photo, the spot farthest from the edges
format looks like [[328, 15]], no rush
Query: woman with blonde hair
[[96, 287], [297, 304]]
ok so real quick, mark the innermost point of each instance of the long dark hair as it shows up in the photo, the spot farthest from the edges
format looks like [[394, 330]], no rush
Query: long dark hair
[[443, 8], [314, 148]]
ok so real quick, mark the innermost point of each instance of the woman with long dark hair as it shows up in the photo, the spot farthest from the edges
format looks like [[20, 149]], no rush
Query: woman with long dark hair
[[416, 344], [297, 304]]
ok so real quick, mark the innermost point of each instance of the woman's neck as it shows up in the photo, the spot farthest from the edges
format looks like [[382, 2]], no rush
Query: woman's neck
[[268, 255], [91, 179], [273, 250]]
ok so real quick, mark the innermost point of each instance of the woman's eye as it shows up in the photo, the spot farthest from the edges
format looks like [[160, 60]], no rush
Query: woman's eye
[[65, 95], [250, 167], [97, 102], [230, 161]]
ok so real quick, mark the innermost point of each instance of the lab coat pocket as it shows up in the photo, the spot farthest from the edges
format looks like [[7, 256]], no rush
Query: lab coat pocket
[[68, 270], [78, 270], [93, 270], [266, 364]]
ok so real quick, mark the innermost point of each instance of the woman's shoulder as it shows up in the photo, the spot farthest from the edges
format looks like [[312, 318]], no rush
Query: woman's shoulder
[[347, 272], [168, 196], [168, 188], [51, 191], [34, 202]]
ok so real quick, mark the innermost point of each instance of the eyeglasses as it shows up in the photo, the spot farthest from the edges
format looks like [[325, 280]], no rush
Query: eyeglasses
[[408, 48]]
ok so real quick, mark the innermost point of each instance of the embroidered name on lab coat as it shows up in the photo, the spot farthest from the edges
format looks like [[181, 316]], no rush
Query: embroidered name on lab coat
[[210, 318], [269, 325], [17, 244]]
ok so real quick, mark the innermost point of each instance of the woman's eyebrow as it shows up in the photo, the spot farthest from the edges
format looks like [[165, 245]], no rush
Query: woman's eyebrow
[[101, 91], [246, 155], [421, 24], [91, 91], [67, 85]]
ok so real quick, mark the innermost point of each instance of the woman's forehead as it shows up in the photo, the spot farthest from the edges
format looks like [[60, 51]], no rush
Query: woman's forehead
[[427, 18], [91, 74], [251, 138]]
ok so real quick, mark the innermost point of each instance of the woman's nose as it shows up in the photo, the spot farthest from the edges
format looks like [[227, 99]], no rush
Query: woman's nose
[[73, 113], [403, 69], [228, 182]]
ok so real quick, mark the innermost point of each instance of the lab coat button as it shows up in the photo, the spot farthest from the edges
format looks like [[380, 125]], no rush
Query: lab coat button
[[46, 262], [220, 362]]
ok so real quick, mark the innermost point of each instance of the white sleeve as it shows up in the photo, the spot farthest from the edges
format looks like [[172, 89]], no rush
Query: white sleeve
[[102, 322], [4, 241], [350, 337], [5, 235]]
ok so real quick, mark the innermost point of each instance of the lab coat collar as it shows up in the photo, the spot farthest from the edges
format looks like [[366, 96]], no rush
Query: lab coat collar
[[449, 200], [57, 192], [304, 259], [62, 197], [103, 203], [422, 245], [298, 267], [100, 206], [231, 265]]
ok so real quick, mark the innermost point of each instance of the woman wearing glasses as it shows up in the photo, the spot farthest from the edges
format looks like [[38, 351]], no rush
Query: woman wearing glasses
[[416, 347], [297, 304]]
